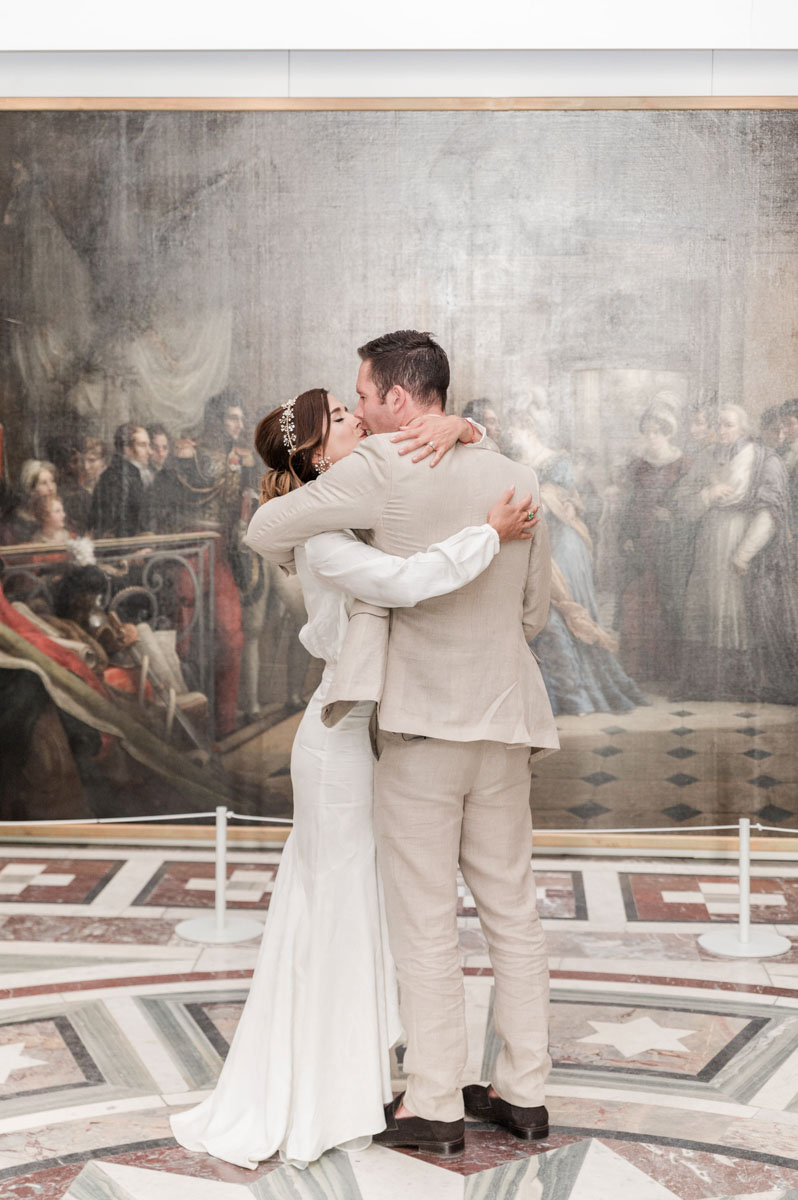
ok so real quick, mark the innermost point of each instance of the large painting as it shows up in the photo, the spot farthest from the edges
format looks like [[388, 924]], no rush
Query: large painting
[[618, 293]]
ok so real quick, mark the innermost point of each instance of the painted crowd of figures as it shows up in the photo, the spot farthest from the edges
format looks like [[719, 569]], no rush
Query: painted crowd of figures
[[687, 553], [155, 482], [674, 572]]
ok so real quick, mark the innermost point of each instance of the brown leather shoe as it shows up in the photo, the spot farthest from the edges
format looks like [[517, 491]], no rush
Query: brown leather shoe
[[446, 1138], [526, 1123]]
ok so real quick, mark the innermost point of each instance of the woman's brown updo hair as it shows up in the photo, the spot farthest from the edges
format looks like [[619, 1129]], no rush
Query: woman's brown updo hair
[[289, 469]]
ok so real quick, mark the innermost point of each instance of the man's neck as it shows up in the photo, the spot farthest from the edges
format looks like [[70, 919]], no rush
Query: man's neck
[[412, 410], [146, 472]]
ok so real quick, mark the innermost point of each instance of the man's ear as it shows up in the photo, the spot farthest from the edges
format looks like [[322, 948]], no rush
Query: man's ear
[[397, 400]]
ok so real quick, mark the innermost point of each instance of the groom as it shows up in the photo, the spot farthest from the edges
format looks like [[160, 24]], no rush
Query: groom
[[462, 712]]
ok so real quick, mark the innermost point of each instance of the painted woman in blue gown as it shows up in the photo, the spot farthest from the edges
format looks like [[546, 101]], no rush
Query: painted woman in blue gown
[[577, 659]]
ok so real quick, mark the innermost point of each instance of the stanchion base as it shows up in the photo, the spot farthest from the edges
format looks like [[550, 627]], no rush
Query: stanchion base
[[760, 944], [205, 929]]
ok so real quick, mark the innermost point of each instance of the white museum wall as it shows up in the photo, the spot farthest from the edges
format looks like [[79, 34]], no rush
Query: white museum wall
[[361, 24], [295, 73]]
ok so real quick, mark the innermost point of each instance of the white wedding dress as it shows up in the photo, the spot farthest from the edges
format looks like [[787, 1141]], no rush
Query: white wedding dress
[[308, 1068]]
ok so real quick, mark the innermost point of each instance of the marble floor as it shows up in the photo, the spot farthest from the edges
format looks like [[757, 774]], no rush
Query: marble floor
[[675, 1076]]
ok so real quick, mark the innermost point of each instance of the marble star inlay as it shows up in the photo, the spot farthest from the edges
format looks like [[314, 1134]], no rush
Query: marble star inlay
[[13, 1058], [635, 1037]]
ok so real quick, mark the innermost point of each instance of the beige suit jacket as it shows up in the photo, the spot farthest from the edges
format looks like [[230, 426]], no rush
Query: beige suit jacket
[[458, 667]]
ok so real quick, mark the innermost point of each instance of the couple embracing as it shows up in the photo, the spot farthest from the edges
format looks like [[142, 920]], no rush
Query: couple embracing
[[425, 620]]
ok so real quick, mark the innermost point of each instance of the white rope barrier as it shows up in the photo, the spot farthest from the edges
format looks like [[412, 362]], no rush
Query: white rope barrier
[[107, 820], [234, 816], [652, 829], [220, 929], [249, 817]]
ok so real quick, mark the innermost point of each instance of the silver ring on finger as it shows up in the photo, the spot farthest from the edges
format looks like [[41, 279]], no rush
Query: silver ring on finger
[[431, 445]]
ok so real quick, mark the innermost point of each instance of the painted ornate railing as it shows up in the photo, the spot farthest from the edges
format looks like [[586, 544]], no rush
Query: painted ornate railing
[[166, 580]]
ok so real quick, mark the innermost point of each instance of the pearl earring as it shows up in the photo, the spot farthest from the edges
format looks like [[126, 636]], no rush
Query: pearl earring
[[322, 465]]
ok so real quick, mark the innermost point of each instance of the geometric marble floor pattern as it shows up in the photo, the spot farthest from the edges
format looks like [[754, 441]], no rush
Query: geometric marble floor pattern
[[675, 1071], [587, 1170]]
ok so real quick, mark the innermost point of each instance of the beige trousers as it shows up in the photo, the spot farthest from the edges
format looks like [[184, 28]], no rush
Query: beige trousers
[[438, 803]]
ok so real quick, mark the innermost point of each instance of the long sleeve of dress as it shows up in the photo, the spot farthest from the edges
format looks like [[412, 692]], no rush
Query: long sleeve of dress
[[394, 582]]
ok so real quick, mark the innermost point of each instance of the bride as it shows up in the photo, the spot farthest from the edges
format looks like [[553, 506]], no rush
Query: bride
[[308, 1068]]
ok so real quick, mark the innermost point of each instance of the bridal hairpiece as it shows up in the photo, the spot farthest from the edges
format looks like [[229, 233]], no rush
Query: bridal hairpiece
[[287, 426]]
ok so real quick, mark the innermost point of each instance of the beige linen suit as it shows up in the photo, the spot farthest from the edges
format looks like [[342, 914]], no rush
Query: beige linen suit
[[463, 707]]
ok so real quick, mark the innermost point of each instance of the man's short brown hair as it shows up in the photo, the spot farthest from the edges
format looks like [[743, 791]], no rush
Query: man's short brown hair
[[410, 360], [124, 435]]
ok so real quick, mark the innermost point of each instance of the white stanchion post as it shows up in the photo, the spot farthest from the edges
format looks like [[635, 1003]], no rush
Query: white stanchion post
[[219, 929], [743, 942], [220, 894], [744, 868]]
